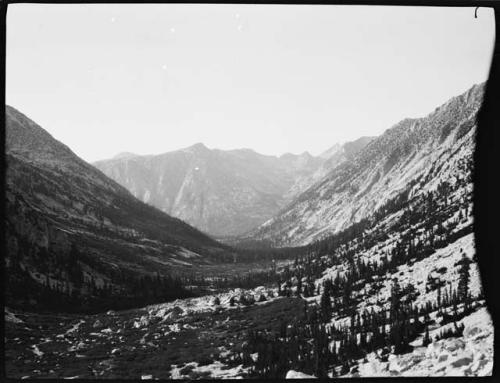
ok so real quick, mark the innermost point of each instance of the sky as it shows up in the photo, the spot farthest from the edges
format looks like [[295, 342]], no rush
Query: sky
[[151, 78]]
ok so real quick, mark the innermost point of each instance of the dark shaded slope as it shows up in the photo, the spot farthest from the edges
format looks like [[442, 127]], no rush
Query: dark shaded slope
[[75, 231]]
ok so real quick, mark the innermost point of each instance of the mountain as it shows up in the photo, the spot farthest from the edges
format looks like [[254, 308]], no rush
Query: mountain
[[68, 225], [332, 157], [220, 192], [420, 151]]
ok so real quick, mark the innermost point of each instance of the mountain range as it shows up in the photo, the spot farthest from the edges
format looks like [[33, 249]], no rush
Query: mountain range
[[223, 193], [418, 152]]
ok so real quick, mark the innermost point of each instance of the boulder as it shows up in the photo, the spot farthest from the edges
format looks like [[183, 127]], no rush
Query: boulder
[[462, 361], [454, 345], [434, 349], [260, 289], [443, 357], [478, 365], [394, 366], [173, 314], [142, 322], [471, 332], [354, 369], [292, 374], [246, 299], [161, 313]]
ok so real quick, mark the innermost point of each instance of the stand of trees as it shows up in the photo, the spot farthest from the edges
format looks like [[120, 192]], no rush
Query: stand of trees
[[315, 345]]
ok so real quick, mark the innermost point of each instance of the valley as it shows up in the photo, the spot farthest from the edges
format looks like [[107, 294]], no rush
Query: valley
[[369, 269]]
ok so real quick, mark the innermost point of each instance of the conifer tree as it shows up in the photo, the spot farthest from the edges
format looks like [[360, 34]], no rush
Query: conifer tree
[[463, 282], [325, 306], [427, 338]]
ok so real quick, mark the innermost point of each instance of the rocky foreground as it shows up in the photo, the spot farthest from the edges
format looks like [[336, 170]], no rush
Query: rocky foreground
[[191, 338], [196, 338], [470, 355]]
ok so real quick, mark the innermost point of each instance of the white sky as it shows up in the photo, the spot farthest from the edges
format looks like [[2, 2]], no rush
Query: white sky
[[275, 78]]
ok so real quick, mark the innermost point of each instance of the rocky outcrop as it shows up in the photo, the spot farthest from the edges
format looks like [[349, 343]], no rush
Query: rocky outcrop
[[470, 355]]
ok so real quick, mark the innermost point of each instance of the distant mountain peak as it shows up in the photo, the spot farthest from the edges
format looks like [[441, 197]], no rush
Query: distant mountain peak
[[198, 147], [331, 151], [123, 155]]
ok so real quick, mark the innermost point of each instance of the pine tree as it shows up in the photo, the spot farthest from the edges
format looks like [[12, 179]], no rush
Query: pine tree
[[463, 282], [427, 338], [395, 299], [325, 306]]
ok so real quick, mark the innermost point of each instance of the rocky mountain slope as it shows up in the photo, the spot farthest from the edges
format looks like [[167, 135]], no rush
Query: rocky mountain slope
[[332, 157], [220, 192], [427, 149], [72, 229], [396, 294]]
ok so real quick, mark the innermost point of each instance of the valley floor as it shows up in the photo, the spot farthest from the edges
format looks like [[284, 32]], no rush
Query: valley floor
[[186, 338], [201, 338]]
